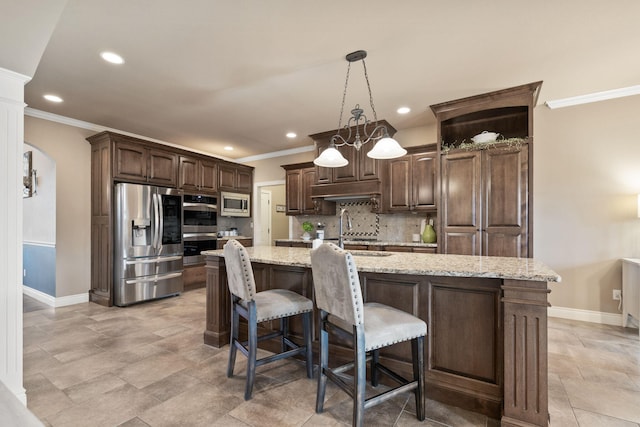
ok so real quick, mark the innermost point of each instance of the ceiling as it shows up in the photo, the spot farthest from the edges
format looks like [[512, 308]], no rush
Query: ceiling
[[208, 73]]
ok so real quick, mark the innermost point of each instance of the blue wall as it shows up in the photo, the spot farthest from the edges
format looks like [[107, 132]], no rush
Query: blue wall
[[40, 265]]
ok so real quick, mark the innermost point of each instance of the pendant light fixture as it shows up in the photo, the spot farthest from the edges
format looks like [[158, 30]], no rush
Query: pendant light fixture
[[385, 148]]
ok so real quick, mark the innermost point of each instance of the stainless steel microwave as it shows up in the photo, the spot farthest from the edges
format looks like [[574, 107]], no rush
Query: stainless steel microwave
[[234, 204]]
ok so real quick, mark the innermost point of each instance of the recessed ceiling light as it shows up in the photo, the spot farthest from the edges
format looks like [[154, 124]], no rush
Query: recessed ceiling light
[[291, 135], [228, 148], [114, 58], [53, 98], [403, 110]]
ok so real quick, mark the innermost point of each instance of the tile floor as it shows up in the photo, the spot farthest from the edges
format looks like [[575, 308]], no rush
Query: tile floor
[[145, 365]]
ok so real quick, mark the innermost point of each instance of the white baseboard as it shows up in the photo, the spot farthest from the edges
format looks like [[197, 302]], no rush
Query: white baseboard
[[53, 301], [586, 315]]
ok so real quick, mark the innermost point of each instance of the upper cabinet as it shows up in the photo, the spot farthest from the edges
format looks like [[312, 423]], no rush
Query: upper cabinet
[[235, 177], [198, 175], [410, 181], [485, 199], [299, 179], [134, 162]]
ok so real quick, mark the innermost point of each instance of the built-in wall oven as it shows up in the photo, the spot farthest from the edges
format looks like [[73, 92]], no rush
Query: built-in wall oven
[[200, 226]]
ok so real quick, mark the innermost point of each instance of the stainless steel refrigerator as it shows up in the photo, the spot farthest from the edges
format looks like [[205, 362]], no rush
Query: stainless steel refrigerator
[[148, 245]]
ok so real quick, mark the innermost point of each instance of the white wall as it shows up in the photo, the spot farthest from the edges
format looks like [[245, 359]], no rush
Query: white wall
[[586, 178], [72, 154], [39, 217]]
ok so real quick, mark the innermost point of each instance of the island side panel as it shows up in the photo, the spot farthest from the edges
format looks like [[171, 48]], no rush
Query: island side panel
[[525, 354], [218, 303]]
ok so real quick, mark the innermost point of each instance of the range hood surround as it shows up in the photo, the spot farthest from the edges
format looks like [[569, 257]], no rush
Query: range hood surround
[[347, 190]]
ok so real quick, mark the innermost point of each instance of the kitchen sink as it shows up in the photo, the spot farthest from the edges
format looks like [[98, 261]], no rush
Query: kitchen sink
[[369, 253]]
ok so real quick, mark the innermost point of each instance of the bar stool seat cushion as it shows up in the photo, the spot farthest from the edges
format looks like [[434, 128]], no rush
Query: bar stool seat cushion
[[384, 325], [278, 303]]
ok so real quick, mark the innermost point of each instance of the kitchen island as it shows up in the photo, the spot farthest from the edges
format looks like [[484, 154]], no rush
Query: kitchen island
[[486, 316]]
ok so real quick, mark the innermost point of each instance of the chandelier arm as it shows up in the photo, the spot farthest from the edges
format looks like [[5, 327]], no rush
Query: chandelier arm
[[366, 77]]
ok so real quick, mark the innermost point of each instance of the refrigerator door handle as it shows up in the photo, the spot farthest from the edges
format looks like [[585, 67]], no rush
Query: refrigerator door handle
[[156, 220], [154, 278], [161, 224], [153, 260]]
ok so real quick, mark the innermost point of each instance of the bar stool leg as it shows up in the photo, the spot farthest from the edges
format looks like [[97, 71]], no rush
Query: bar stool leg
[[284, 330], [253, 350], [235, 320], [375, 356], [360, 377], [323, 362], [306, 324], [417, 346]]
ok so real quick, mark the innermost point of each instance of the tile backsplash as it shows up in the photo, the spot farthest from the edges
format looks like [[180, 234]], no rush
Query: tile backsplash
[[398, 227]]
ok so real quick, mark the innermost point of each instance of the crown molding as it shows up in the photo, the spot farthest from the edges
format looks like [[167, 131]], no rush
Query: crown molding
[[273, 154], [593, 97]]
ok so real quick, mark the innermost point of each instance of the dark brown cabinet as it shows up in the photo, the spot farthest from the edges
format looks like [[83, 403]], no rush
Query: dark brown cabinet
[[121, 158], [135, 162], [197, 175], [298, 181], [410, 182], [484, 202], [233, 177]]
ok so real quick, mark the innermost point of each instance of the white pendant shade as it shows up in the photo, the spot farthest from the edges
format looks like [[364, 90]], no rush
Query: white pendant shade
[[387, 148], [331, 158]]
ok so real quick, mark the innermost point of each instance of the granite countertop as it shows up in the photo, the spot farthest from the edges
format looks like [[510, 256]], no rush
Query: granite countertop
[[414, 263], [368, 242], [234, 237]]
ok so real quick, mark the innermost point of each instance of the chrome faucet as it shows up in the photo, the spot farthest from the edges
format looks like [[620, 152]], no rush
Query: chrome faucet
[[343, 212]]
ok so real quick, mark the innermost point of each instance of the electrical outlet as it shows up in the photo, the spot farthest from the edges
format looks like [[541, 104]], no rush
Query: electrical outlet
[[617, 294], [24, 272]]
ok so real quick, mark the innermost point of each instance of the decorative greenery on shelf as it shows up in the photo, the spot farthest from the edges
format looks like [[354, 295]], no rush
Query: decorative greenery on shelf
[[307, 227], [470, 146]]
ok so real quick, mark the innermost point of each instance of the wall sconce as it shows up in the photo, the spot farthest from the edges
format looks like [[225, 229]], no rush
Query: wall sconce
[[29, 176]]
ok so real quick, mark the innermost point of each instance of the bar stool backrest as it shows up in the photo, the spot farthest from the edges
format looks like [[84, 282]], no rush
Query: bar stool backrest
[[336, 283], [239, 273]]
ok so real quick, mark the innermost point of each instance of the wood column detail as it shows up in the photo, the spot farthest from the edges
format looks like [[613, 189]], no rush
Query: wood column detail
[[218, 303], [525, 354]]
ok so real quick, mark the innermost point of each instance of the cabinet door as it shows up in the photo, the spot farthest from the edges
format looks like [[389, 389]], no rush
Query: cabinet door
[[423, 181], [505, 193], [208, 176], [348, 173], [227, 177], [293, 189], [244, 179], [162, 168], [399, 192], [188, 178], [307, 179], [368, 167], [461, 202], [130, 162], [323, 175]]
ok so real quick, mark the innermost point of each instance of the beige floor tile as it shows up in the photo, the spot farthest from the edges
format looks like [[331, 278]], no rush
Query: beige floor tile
[[171, 386], [43, 398], [94, 387], [611, 401], [201, 405], [69, 374], [590, 419], [110, 409], [152, 369]]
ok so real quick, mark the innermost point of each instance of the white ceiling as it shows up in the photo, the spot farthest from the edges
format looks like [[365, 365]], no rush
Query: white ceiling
[[210, 73]]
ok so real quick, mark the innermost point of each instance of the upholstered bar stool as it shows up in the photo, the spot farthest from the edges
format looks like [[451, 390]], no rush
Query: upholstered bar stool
[[257, 307], [371, 326]]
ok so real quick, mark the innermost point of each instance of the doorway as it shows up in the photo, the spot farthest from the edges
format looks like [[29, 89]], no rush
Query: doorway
[[274, 218]]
